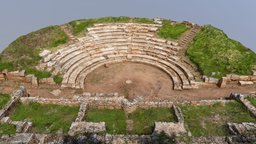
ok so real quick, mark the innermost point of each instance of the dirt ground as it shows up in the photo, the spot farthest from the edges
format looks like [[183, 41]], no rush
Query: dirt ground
[[131, 80]]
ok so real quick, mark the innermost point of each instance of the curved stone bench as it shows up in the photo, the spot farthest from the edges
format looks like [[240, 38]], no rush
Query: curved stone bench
[[81, 77], [118, 42], [73, 76]]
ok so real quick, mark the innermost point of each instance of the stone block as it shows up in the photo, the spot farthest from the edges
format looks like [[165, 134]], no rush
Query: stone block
[[253, 78], [44, 53], [34, 81], [243, 83], [56, 92], [49, 81], [235, 77], [244, 78], [222, 82]]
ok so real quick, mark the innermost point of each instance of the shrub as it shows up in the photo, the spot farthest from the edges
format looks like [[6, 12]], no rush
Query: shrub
[[169, 31], [37, 73], [57, 79], [214, 52], [24, 51]]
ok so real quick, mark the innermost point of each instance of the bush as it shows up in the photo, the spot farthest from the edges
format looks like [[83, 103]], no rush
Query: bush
[[169, 31], [217, 55], [37, 73], [57, 79], [24, 51]]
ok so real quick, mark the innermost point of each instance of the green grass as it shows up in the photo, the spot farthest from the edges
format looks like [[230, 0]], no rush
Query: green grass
[[144, 119], [80, 26], [252, 100], [211, 120], [57, 79], [39, 74], [7, 129], [213, 51], [169, 31], [46, 118], [114, 119], [24, 51], [4, 98]]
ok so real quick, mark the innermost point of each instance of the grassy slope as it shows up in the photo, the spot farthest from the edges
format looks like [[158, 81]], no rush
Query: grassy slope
[[4, 98], [211, 120], [114, 119], [79, 26], [144, 119], [23, 52], [213, 51], [169, 31], [46, 118]]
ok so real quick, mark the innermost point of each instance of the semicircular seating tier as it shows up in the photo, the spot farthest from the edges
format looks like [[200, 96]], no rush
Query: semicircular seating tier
[[118, 42]]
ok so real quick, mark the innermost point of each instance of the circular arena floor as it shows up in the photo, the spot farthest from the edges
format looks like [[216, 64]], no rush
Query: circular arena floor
[[129, 79]]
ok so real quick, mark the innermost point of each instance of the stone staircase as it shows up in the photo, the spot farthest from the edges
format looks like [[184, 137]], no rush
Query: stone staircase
[[72, 38], [188, 36], [183, 42]]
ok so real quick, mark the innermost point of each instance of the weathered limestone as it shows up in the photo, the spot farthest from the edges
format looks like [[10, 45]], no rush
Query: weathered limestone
[[34, 81], [222, 82], [243, 83], [49, 81], [117, 42], [171, 128], [245, 102], [86, 127], [56, 92], [81, 113], [26, 138], [245, 128], [44, 53]]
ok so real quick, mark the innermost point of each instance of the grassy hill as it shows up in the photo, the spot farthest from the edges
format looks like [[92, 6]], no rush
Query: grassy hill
[[216, 54], [24, 51], [212, 51]]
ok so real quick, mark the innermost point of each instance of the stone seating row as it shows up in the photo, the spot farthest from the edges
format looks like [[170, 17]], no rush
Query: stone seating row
[[110, 43], [76, 57], [71, 75], [76, 50]]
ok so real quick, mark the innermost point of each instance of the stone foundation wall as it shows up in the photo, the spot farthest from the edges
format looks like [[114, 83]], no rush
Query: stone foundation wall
[[242, 80], [16, 95], [86, 127], [21, 77]]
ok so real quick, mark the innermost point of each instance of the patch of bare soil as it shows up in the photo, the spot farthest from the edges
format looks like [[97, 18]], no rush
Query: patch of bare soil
[[130, 80]]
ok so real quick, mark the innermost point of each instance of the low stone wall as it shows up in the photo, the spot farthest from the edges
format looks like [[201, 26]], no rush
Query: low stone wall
[[68, 102], [242, 80], [131, 139], [171, 128], [245, 102], [21, 77], [246, 128], [16, 95], [207, 102], [81, 113], [86, 127]]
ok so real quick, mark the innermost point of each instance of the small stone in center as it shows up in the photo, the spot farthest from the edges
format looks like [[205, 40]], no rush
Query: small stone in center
[[128, 81]]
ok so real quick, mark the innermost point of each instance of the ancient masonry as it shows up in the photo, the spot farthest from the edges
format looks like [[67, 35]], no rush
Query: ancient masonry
[[119, 42], [113, 100]]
